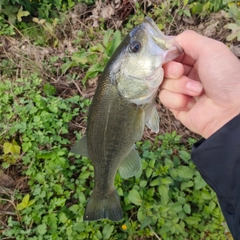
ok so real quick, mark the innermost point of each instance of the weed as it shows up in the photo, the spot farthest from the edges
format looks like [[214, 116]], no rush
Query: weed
[[95, 57], [5, 28], [167, 198], [205, 7], [234, 13]]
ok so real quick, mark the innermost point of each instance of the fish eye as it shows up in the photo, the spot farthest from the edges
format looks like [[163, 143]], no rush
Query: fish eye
[[135, 46]]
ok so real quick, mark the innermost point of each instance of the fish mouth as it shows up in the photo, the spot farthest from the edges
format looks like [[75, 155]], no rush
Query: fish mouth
[[153, 29], [164, 42]]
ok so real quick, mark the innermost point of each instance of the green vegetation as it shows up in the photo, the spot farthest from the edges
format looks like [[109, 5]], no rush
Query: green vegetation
[[39, 122], [234, 14], [167, 198], [94, 58]]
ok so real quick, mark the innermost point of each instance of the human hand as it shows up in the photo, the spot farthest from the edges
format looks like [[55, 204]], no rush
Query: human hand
[[202, 87]]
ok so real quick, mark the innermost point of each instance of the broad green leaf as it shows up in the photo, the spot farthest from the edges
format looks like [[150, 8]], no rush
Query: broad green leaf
[[13, 148], [84, 175], [166, 181], [82, 197], [180, 229], [181, 199], [107, 231], [150, 192], [234, 11], [143, 183], [62, 217], [185, 2], [92, 72], [16, 150], [206, 195], [196, 8], [145, 222], [134, 197], [185, 172], [199, 183], [120, 191], [187, 13], [42, 229], [106, 37], [212, 206], [21, 206], [176, 207], [174, 173], [58, 189], [187, 208], [152, 163], [25, 203], [81, 57], [115, 42], [31, 202], [21, 14], [206, 6], [149, 172], [184, 155], [155, 182], [185, 185], [141, 214], [163, 191], [68, 65], [97, 48], [97, 235], [7, 147], [235, 31], [169, 162], [192, 220], [79, 227], [26, 199]]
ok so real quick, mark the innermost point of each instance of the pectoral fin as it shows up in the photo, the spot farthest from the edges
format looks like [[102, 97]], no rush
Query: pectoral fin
[[139, 125], [152, 119], [80, 147], [131, 164]]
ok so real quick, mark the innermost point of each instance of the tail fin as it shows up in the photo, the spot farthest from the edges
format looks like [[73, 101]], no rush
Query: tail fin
[[107, 207]]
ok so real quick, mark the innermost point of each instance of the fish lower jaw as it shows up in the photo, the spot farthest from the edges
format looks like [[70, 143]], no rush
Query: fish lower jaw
[[154, 80]]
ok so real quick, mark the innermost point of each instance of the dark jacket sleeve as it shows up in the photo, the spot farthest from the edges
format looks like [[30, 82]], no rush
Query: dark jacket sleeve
[[218, 161]]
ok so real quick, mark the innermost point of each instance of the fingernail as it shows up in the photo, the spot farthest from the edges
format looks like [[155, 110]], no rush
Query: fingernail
[[194, 87], [190, 104]]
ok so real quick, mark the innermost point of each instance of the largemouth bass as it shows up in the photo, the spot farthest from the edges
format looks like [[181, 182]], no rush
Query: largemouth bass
[[123, 104]]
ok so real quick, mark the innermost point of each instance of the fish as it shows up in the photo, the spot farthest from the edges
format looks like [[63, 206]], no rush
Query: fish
[[124, 102]]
